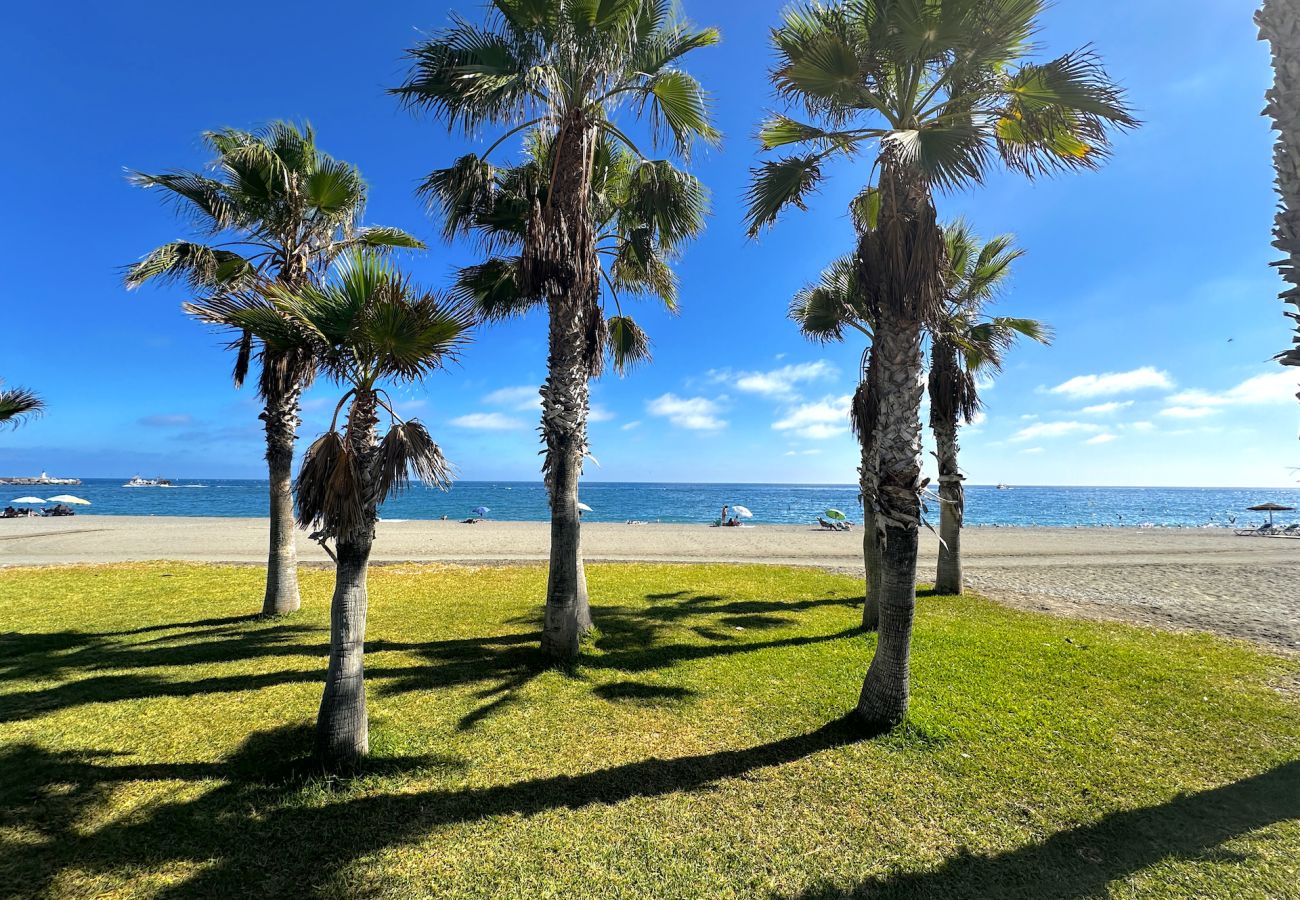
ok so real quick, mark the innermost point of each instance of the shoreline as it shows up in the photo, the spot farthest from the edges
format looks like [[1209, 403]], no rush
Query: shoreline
[[1203, 579]]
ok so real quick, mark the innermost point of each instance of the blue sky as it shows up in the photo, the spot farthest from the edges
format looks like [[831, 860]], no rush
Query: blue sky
[[1153, 272]]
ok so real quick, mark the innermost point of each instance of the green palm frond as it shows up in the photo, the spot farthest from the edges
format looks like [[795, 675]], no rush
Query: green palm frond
[[493, 288], [196, 265], [629, 346], [823, 310], [17, 405], [778, 184]]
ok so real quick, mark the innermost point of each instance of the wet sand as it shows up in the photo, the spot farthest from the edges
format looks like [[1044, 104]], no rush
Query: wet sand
[[1201, 579]]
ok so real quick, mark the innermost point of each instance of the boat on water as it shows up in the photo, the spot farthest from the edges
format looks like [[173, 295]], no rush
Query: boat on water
[[137, 481], [43, 479], [1004, 487]]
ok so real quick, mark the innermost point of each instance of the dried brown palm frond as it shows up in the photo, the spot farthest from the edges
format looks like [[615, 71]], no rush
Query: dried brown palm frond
[[408, 449], [328, 489]]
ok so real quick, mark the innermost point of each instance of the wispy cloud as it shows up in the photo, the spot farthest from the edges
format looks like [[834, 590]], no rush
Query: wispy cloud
[[779, 383], [1112, 383], [1104, 438], [521, 398], [489, 421], [1188, 412], [628, 426], [1105, 409], [167, 420], [598, 413], [694, 413], [812, 452], [826, 418], [1032, 450], [1054, 430]]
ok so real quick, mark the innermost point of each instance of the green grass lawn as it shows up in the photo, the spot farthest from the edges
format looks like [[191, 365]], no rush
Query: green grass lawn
[[152, 740]]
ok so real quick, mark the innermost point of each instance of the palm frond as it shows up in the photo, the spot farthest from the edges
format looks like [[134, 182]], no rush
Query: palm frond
[[406, 450], [17, 405], [629, 345], [778, 184]]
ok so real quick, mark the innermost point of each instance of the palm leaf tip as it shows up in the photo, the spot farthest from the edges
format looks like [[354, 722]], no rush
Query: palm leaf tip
[[18, 404], [408, 449]]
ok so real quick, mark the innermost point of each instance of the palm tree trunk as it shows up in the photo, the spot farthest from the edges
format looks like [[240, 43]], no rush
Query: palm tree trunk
[[898, 361], [1279, 24], [560, 262], [864, 415], [901, 262], [564, 425], [281, 418], [342, 725], [952, 509]]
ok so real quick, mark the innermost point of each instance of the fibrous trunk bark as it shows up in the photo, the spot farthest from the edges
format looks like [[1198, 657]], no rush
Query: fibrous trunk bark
[[559, 262], [952, 509], [868, 479], [1279, 24], [281, 418], [885, 691], [342, 725], [899, 265]]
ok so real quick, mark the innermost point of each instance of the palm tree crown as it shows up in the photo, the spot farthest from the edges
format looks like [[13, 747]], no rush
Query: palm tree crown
[[643, 211], [277, 207], [944, 87], [366, 327], [966, 343]]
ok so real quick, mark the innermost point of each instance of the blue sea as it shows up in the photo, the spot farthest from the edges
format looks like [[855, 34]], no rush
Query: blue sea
[[770, 503]]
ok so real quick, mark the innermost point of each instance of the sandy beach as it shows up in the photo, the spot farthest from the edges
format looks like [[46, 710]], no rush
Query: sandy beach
[[1202, 579]]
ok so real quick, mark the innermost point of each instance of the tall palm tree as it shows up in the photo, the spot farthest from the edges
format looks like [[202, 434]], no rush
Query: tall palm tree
[[940, 89], [1279, 24], [566, 68], [366, 328], [965, 345], [276, 207], [17, 405]]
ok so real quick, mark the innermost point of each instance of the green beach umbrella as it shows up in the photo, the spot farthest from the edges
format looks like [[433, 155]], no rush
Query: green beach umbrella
[[836, 516]]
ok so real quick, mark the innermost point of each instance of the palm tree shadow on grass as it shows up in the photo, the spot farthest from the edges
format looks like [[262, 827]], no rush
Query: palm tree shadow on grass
[[1082, 861], [252, 808]]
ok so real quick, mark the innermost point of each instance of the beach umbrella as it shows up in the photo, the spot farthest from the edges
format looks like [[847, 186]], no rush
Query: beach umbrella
[[584, 507], [68, 499], [836, 516], [1269, 508], [742, 511], [27, 500], [480, 511]]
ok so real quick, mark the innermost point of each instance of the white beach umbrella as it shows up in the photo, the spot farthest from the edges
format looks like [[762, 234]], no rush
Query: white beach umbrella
[[584, 507], [742, 511], [68, 499], [27, 500]]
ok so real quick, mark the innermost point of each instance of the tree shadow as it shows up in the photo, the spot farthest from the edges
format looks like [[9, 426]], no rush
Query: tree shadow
[[638, 692], [230, 830], [1082, 861]]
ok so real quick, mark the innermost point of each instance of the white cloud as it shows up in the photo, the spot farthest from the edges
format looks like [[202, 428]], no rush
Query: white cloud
[[780, 382], [1032, 450], [1112, 383], [520, 398], [1188, 412], [489, 421], [628, 426], [1102, 409], [813, 452], [1272, 387], [980, 418], [1143, 426], [1105, 438], [1054, 429], [598, 413], [826, 418], [695, 413]]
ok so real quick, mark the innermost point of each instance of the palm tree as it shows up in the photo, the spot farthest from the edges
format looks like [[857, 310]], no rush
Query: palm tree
[[940, 88], [1279, 24], [564, 68], [275, 208], [17, 405], [965, 345], [366, 328], [823, 311]]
